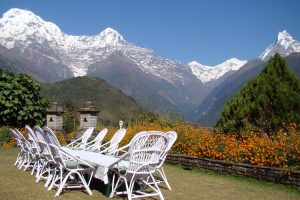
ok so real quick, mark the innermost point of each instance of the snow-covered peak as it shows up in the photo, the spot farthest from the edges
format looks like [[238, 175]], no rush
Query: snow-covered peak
[[197, 64], [284, 37], [110, 37], [232, 64], [23, 26], [209, 73], [20, 18], [17, 13], [285, 45]]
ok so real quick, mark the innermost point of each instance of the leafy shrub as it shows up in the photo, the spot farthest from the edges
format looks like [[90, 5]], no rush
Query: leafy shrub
[[20, 101], [4, 136]]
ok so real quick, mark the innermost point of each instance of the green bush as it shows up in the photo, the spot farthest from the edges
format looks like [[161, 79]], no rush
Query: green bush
[[268, 102], [20, 101], [4, 135]]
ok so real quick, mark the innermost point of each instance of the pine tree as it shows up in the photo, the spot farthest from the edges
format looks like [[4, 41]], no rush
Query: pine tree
[[267, 102]]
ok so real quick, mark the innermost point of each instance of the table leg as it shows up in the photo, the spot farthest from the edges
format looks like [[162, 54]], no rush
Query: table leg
[[109, 184]]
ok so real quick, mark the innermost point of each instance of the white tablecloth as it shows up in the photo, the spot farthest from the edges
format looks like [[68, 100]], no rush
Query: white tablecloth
[[99, 161]]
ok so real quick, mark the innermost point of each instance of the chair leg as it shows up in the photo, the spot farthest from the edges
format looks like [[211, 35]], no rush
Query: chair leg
[[29, 162], [62, 184], [52, 181], [41, 173], [119, 182], [164, 177], [23, 162], [34, 168], [56, 177], [39, 167], [49, 179], [18, 159], [155, 188], [129, 188], [114, 186], [84, 183]]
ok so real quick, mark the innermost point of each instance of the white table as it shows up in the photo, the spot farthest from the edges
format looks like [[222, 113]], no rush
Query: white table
[[99, 161]]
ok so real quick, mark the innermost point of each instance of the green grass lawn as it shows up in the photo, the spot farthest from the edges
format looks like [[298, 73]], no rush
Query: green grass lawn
[[186, 184]]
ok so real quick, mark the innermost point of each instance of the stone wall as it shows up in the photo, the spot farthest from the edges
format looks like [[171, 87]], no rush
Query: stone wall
[[55, 122], [87, 121], [273, 174]]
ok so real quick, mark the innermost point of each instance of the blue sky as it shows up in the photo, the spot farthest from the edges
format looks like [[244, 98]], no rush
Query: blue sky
[[208, 31]]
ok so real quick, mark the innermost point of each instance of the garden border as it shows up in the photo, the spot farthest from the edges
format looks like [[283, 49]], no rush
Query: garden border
[[273, 174]]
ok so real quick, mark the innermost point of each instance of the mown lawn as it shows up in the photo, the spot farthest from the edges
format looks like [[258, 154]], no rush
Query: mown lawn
[[186, 184]]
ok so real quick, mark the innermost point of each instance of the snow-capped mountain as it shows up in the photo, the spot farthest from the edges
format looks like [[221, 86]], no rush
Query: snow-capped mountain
[[212, 73], [43, 50], [285, 45], [22, 29]]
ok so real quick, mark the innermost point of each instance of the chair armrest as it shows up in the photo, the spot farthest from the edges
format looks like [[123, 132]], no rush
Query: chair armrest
[[103, 145], [120, 150], [90, 142], [119, 160], [74, 142]]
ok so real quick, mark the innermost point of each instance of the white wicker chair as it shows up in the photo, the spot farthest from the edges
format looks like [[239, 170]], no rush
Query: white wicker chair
[[81, 142], [47, 159], [51, 137], [22, 154], [113, 144], [143, 154], [35, 149], [96, 143], [28, 160], [163, 178], [69, 171]]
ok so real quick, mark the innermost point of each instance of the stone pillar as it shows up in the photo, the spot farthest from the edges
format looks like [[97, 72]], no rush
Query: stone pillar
[[54, 117], [88, 115]]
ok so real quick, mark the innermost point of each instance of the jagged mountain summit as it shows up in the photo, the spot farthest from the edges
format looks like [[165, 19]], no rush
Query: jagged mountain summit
[[22, 29], [212, 73], [285, 45]]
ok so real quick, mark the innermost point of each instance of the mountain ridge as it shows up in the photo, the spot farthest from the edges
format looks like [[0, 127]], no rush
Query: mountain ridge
[[211, 73]]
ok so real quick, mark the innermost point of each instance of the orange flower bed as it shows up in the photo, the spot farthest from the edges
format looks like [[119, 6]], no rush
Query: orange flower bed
[[280, 150]]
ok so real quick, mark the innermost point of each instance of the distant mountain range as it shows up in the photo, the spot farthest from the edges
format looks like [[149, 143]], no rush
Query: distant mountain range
[[28, 44], [50, 55]]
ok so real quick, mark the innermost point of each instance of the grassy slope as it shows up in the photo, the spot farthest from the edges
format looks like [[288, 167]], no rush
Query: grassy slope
[[192, 185], [113, 104]]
